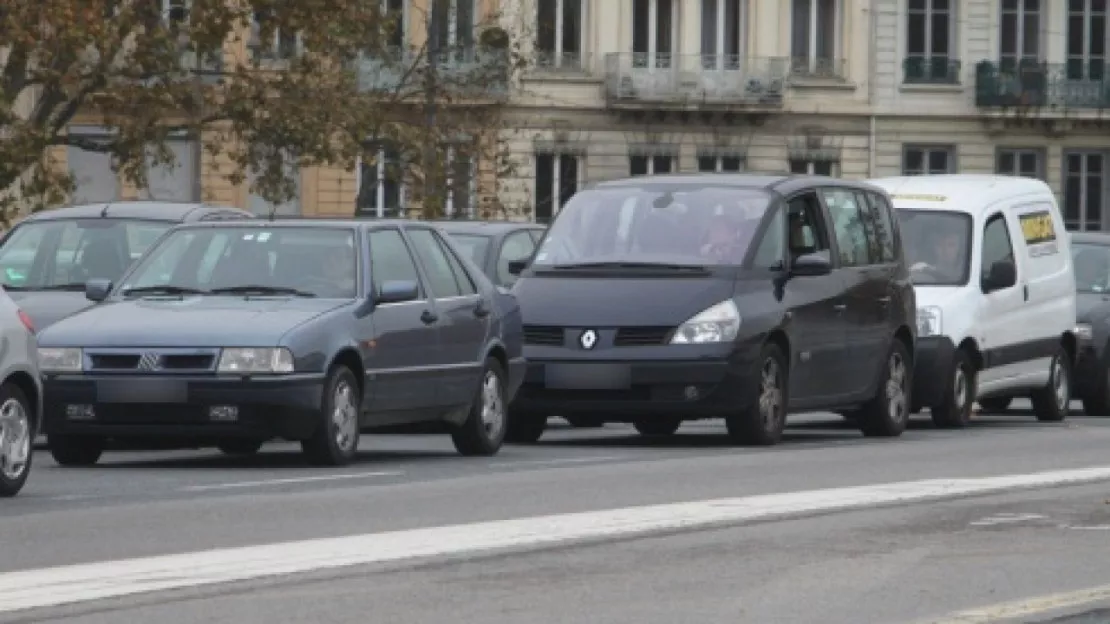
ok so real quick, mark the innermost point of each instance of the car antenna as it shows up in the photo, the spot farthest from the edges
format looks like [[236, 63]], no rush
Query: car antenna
[[104, 212]]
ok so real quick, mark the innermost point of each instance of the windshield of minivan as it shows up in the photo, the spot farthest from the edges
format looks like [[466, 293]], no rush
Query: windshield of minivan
[[686, 226], [302, 261], [938, 246], [63, 254], [1092, 267]]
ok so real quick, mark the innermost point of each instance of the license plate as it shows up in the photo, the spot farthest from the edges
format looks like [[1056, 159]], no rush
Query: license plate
[[141, 391], [588, 376]]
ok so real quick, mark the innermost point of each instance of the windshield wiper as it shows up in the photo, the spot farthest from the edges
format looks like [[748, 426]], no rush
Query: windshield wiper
[[164, 289], [253, 289], [71, 287], [630, 265]]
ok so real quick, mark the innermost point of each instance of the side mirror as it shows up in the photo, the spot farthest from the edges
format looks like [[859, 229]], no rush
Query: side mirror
[[516, 267], [811, 265], [1002, 275], [97, 289], [398, 291]]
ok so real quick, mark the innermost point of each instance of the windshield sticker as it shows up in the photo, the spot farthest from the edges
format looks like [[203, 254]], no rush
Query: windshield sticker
[[1039, 232], [263, 237], [248, 237], [925, 198]]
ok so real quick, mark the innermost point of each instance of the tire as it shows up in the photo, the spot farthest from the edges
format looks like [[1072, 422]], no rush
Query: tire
[[336, 443], [72, 450], [658, 426], [996, 404], [584, 422], [240, 447], [484, 430], [1096, 400], [761, 423], [1050, 403], [959, 394], [17, 438], [888, 412], [525, 427]]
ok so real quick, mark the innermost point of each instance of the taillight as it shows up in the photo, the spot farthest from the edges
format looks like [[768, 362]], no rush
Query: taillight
[[26, 320]]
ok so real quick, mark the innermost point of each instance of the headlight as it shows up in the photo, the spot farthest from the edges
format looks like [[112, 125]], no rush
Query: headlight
[[256, 360], [719, 323], [1084, 331], [61, 360], [928, 321]]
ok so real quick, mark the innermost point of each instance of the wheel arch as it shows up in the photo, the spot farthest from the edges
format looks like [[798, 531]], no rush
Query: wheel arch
[[26, 383]]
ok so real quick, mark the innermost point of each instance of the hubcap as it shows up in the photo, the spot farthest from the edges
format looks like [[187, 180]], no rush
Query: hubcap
[[1060, 385], [959, 388], [15, 439], [344, 415], [493, 405], [770, 395], [896, 406]]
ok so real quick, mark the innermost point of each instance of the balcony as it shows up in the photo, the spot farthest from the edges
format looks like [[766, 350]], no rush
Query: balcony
[[552, 62], [466, 72], [931, 70], [1041, 85], [694, 79], [818, 69]]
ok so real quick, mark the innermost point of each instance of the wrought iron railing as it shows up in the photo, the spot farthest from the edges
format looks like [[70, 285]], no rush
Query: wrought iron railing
[[1034, 84], [694, 78], [938, 70]]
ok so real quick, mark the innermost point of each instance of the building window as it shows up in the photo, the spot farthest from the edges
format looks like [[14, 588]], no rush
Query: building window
[[812, 167], [557, 180], [640, 164], [398, 16], [257, 205], [1028, 163], [453, 21], [1084, 177], [277, 45], [722, 28], [1086, 40], [93, 178], [813, 37], [710, 163], [1020, 33], [928, 159], [175, 12], [176, 181], [459, 198], [380, 191], [559, 34], [930, 40], [653, 33]]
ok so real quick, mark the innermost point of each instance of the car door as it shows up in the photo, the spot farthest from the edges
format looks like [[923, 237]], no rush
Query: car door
[[516, 246], [464, 316], [1002, 320], [401, 361]]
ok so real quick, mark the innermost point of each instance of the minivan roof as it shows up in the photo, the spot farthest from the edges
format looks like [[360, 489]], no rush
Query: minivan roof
[[969, 193], [784, 183]]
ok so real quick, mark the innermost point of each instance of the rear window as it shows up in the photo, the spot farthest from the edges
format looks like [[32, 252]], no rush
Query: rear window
[[474, 246]]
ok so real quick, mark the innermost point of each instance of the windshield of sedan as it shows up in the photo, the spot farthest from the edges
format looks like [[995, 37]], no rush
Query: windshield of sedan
[[474, 246], [64, 254], [1092, 267], [300, 261], [938, 246], [683, 226]]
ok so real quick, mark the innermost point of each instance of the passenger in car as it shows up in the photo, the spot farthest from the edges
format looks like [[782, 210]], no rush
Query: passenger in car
[[723, 241]]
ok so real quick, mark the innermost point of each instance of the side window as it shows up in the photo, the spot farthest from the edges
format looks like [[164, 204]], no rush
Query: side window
[[849, 225], [516, 246], [769, 253], [884, 225], [390, 260], [441, 280], [466, 284], [997, 246], [806, 229]]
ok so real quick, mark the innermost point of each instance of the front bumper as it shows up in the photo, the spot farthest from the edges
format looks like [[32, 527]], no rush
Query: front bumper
[[933, 361], [178, 406]]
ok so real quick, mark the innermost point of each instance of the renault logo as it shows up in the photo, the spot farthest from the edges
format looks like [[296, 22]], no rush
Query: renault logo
[[149, 361], [588, 339]]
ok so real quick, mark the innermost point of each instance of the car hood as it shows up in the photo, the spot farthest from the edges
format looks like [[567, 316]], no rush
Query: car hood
[[186, 322], [46, 308], [617, 301], [1088, 303]]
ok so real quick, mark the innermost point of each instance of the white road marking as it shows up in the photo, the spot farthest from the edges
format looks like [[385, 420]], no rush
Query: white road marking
[[95, 581], [553, 462], [1097, 527], [1006, 518], [1024, 608], [269, 482]]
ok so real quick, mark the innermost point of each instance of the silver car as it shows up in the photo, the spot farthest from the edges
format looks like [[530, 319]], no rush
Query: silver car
[[20, 395]]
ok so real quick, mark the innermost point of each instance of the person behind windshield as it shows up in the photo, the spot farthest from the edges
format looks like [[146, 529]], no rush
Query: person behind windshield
[[943, 255], [723, 242], [337, 274]]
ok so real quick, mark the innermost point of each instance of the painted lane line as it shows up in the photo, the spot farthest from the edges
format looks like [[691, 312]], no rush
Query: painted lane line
[[554, 462], [995, 614], [94, 581], [269, 482]]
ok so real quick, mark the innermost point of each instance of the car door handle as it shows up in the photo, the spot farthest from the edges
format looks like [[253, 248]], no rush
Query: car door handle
[[482, 309], [884, 300], [428, 317], [840, 307]]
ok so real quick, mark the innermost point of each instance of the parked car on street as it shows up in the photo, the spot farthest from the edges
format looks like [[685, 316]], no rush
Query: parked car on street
[[46, 259], [20, 396], [659, 299], [1091, 258], [493, 245], [230, 334], [992, 268]]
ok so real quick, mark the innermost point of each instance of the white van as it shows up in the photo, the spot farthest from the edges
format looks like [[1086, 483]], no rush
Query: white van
[[991, 266]]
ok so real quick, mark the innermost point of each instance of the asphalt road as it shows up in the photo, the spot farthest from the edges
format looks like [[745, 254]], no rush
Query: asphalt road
[[878, 563]]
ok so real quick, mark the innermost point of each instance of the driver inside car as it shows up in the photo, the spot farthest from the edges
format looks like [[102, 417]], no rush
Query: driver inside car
[[723, 240], [944, 255], [338, 271]]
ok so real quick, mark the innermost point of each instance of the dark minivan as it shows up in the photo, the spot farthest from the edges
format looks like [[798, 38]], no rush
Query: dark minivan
[[659, 299]]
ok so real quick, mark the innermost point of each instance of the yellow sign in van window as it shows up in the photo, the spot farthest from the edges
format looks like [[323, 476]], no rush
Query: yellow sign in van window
[[923, 198], [1037, 227]]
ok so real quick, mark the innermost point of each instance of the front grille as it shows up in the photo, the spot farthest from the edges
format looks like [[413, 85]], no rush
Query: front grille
[[113, 361], [641, 336], [153, 361], [187, 362], [543, 335]]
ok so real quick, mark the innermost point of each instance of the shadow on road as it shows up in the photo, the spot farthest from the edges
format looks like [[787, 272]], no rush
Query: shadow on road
[[265, 459]]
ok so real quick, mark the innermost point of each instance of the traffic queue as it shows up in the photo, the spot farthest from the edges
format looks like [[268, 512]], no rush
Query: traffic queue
[[652, 300]]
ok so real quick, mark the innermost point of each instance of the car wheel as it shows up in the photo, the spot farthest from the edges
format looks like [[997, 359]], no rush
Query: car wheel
[[954, 411], [657, 426], [996, 404], [74, 450], [240, 447], [525, 427], [17, 433], [335, 441], [584, 422], [484, 429], [762, 421], [888, 413], [1050, 403]]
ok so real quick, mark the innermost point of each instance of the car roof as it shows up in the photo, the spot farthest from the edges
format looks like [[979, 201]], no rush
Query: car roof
[[1095, 238], [153, 210], [491, 228], [779, 182], [969, 193]]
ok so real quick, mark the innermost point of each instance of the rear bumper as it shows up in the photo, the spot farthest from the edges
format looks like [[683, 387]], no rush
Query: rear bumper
[[175, 406], [933, 361]]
